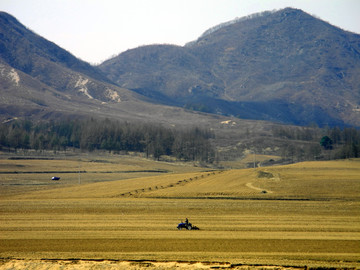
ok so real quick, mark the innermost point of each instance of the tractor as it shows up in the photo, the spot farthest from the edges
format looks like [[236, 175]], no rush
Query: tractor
[[187, 226]]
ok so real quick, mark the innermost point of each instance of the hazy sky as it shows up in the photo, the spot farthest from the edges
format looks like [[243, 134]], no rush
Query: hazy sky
[[95, 30]]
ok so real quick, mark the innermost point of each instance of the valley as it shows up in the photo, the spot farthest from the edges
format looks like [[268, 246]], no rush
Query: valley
[[251, 132]]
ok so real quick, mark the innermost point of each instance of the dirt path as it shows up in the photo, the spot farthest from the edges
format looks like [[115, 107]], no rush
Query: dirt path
[[123, 265], [249, 185]]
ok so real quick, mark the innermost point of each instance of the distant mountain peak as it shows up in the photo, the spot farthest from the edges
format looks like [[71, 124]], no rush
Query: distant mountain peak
[[22, 48], [38, 78], [283, 65], [236, 20], [8, 17], [286, 12]]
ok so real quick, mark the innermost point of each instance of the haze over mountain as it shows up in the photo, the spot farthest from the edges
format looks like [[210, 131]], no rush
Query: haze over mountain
[[282, 66]]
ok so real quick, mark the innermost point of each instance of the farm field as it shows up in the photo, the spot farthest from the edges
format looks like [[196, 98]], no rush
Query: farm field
[[124, 212]]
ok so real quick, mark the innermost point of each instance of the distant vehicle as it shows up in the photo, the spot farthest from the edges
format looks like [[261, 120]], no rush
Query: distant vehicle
[[55, 178]]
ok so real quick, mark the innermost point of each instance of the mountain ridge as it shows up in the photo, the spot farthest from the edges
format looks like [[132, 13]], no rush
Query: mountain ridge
[[286, 59], [55, 92], [41, 81], [284, 66], [21, 40]]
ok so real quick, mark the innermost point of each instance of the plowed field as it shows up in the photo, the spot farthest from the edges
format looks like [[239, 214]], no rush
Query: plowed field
[[306, 214]]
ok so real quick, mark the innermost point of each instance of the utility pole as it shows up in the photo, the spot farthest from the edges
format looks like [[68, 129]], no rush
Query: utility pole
[[254, 160], [79, 173]]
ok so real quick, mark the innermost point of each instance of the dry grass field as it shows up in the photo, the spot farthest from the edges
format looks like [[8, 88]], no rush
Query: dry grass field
[[123, 214]]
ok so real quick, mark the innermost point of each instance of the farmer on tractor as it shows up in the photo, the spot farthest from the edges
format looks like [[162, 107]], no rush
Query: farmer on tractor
[[186, 225]]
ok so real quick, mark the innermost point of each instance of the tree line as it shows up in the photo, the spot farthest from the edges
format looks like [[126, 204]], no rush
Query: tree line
[[321, 143], [155, 141], [191, 144]]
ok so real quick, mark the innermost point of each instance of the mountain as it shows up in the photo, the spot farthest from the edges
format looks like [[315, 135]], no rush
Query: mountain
[[51, 65], [284, 66], [40, 80]]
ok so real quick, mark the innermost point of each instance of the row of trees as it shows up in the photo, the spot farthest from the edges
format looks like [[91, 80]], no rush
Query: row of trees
[[298, 143], [334, 143], [154, 141]]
